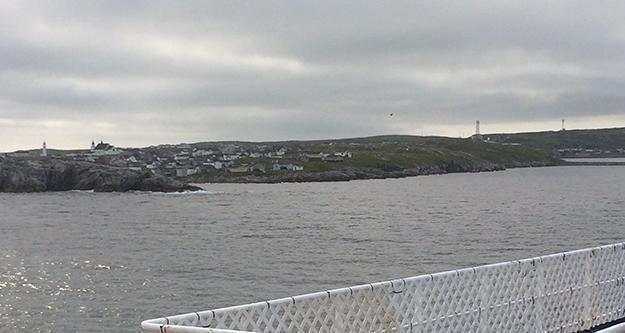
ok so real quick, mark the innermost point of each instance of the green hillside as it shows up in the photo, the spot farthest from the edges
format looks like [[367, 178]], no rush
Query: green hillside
[[609, 140]]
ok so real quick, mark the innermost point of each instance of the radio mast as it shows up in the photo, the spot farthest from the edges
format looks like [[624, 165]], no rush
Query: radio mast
[[477, 136]]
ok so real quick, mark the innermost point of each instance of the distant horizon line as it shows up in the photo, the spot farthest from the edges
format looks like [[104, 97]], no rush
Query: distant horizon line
[[312, 140]]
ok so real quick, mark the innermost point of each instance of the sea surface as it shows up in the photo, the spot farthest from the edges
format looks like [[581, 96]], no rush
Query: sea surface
[[103, 262], [596, 160]]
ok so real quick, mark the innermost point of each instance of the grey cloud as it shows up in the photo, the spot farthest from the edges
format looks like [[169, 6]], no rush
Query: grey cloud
[[286, 69]]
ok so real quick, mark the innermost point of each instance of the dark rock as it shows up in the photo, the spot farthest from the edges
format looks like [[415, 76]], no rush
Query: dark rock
[[39, 175]]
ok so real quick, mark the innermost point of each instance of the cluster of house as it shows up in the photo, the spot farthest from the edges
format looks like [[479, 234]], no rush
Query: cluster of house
[[184, 160], [187, 161], [97, 150]]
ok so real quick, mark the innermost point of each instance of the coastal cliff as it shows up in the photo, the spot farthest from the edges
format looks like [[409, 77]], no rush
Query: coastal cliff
[[48, 174]]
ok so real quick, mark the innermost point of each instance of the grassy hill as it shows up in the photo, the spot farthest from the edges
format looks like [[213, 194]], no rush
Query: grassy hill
[[609, 139], [369, 157], [380, 157], [405, 155]]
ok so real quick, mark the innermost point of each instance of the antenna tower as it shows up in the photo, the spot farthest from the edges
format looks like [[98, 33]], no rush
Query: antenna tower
[[477, 136]]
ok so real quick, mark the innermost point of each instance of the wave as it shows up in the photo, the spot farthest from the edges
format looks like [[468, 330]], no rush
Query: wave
[[202, 192]]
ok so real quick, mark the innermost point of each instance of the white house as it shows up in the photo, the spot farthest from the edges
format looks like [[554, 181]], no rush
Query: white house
[[281, 152], [183, 172], [202, 152], [230, 157], [103, 149], [345, 154], [288, 167], [217, 164]]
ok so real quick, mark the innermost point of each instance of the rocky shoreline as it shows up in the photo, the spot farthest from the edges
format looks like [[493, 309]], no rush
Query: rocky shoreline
[[369, 173], [48, 174]]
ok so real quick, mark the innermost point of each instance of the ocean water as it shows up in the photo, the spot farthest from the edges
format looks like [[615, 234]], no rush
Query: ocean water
[[101, 262], [596, 160]]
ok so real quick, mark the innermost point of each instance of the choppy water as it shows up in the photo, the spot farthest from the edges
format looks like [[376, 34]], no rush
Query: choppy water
[[596, 160], [93, 262]]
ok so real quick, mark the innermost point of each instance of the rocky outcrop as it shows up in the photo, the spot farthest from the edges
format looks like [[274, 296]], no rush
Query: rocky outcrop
[[40, 175]]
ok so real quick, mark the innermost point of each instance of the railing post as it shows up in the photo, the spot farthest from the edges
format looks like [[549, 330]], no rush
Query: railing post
[[587, 292], [483, 304], [539, 299]]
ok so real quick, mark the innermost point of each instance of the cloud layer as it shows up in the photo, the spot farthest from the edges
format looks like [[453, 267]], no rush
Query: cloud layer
[[144, 72]]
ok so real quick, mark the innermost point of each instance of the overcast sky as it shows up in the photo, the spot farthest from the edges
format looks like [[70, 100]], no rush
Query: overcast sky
[[136, 73]]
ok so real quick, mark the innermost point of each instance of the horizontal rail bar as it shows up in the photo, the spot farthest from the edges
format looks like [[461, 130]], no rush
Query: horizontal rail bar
[[619, 328], [155, 326]]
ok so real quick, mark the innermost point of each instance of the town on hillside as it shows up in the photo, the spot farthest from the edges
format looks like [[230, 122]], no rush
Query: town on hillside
[[182, 160], [387, 153]]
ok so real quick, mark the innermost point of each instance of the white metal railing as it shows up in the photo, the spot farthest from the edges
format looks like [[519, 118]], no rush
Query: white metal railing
[[565, 292]]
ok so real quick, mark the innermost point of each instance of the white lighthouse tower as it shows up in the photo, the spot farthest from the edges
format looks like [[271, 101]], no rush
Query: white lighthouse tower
[[44, 150]]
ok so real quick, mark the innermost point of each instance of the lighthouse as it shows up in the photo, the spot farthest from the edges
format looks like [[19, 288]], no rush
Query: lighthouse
[[44, 150]]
